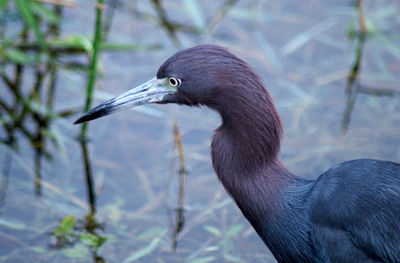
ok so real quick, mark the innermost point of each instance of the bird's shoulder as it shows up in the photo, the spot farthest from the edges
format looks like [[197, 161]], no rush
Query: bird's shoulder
[[362, 183], [358, 203]]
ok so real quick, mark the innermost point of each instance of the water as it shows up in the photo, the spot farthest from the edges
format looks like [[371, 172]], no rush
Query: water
[[304, 55]]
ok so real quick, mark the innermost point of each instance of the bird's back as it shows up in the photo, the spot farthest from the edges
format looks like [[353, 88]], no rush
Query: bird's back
[[355, 212]]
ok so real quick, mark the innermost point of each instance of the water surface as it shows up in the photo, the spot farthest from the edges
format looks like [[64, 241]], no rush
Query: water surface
[[305, 53]]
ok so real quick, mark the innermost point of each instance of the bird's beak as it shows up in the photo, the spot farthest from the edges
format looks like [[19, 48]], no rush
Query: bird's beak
[[152, 91]]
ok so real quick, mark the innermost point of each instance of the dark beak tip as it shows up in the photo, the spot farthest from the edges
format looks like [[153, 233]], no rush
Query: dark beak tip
[[81, 120], [78, 121], [95, 113]]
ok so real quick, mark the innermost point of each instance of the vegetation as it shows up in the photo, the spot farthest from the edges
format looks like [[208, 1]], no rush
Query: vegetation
[[113, 201]]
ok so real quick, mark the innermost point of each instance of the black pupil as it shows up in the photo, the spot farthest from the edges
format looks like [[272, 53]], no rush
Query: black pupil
[[173, 82]]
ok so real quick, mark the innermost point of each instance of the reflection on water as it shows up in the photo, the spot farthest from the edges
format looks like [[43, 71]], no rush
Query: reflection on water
[[88, 230], [30, 113], [107, 197]]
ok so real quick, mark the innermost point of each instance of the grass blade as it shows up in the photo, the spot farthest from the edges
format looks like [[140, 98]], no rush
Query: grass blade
[[306, 36], [93, 65], [146, 250], [25, 9], [45, 13], [194, 12]]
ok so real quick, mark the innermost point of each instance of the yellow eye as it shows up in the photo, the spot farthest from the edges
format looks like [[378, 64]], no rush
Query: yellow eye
[[174, 82]]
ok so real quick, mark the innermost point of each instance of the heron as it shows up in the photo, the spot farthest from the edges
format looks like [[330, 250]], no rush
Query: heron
[[350, 213]]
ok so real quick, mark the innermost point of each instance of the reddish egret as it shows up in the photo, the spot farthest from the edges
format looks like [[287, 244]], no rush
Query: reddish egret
[[350, 213]]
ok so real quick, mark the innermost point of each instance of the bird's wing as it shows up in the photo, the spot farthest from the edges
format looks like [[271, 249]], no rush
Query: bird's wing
[[356, 207]]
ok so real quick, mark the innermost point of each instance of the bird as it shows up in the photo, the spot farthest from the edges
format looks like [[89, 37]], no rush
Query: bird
[[350, 213]]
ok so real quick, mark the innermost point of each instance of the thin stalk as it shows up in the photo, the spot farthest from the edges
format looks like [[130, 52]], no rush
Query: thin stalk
[[361, 18], [89, 178], [180, 217], [109, 18], [93, 65], [59, 3], [353, 82], [38, 157], [4, 178], [182, 170]]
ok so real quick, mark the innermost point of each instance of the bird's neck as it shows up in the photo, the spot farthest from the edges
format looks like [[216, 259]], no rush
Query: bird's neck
[[246, 162], [245, 150], [249, 138]]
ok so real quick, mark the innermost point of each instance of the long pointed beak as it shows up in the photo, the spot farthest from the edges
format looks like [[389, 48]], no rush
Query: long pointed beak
[[152, 91]]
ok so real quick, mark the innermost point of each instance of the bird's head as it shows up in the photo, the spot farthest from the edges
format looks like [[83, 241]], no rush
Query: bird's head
[[201, 75]]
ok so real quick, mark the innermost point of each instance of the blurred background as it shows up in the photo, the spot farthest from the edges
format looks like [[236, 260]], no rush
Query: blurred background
[[139, 186]]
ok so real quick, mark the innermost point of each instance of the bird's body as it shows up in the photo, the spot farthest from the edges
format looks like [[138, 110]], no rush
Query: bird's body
[[351, 213], [355, 208], [343, 216]]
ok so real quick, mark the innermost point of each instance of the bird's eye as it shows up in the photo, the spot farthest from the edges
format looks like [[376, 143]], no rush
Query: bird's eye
[[174, 82]]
